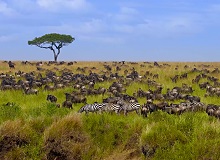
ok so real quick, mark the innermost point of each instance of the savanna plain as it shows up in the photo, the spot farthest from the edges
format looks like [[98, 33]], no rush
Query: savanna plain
[[178, 118]]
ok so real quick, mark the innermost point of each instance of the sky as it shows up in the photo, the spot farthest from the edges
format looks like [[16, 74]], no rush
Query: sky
[[113, 30]]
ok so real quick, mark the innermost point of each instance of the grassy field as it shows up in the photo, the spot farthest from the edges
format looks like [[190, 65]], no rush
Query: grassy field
[[33, 128]]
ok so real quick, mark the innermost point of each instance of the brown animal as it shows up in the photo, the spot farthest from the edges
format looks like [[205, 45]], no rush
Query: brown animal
[[11, 65], [67, 104], [145, 110], [52, 98]]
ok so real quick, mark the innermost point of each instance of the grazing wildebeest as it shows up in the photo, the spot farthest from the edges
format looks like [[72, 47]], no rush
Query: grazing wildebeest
[[30, 91], [213, 110], [152, 107], [75, 98], [145, 110], [67, 104], [49, 88], [217, 113], [11, 65], [52, 98]]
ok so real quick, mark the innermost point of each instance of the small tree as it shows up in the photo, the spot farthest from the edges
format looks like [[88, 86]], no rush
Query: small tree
[[52, 41]]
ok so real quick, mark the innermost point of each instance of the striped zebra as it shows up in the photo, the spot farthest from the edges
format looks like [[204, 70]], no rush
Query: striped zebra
[[129, 107], [91, 108], [111, 107]]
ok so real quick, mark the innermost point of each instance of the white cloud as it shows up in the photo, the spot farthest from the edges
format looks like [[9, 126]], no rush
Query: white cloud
[[103, 39], [183, 24], [126, 14], [124, 28], [168, 27], [5, 9], [161, 27], [211, 15], [95, 30], [214, 8], [24, 5], [6, 38], [54, 5], [91, 27], [128, 10]]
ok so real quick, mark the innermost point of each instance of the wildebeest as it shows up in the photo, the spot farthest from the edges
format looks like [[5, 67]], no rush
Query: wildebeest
[[213, 110], [30, 91], [75, 98], [11, 65], [51, 98], [49, 88], [152, 107], [67, 104], [145, 110]]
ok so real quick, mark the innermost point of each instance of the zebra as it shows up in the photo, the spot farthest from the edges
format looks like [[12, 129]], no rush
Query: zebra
[[129, 107], [111, 107], [91, 108]]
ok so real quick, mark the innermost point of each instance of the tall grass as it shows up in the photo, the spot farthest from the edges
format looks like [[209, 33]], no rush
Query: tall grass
[[33, 128], [112, 133], [9, 112], [189, 136], [66, 139]]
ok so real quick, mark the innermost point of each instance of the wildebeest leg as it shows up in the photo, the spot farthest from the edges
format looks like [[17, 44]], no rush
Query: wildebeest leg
[[125, 112]]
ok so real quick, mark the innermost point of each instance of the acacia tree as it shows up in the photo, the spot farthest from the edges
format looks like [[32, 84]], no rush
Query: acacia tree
[[52, 41]]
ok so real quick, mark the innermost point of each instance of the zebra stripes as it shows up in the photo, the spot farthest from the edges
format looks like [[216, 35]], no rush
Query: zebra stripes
[[100, 107], [90, 108], [129, 107], [111, 107]]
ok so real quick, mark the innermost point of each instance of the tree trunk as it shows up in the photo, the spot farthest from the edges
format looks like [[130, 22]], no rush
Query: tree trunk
[[54, 53], [55, 57]]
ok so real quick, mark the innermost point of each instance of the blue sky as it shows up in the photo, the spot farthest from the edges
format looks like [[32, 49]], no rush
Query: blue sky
[[131, 30]]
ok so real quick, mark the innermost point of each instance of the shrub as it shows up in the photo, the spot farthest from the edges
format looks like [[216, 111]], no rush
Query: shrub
[[14, 137], [66, 139]]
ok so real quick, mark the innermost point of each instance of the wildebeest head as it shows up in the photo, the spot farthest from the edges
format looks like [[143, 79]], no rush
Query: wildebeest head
[[51, 98]]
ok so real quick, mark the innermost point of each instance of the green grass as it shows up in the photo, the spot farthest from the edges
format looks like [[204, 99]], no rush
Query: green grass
[[189, 136], [113, 132], [36, 129], [9, 112]]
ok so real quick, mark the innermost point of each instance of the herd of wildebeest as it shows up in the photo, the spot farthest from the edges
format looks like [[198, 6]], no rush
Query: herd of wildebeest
[[118, 100]]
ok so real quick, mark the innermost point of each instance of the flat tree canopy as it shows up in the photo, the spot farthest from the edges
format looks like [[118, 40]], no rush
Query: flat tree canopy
[[53, 41]]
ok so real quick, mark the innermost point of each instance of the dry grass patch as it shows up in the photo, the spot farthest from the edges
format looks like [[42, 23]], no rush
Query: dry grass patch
[[66, 139], [13, 136]]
